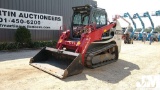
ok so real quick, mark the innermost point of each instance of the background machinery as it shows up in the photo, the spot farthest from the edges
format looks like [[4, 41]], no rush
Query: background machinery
[[126, 32], [140, 36], [90, 42], [157, 13], [130, 31], [146, 14]]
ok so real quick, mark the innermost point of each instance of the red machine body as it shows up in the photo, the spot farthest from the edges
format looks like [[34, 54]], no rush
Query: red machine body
[[90, 42], [86, 38]]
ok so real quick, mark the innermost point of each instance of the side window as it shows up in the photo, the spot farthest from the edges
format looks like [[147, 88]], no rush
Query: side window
[[85, 21], [77, 19], [103, 19], [99, 18]]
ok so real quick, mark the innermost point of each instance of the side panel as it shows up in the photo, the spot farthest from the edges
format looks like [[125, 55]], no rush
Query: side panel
[[118, 35], [116, 38]]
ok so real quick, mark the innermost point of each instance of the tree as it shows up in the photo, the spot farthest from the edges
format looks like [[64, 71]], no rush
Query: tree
[[138, 29], [157, 29], [149, 29], [23, 36]]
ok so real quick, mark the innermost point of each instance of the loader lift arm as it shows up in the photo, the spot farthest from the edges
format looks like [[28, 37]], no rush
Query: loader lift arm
[[142, 23], [86, 39]]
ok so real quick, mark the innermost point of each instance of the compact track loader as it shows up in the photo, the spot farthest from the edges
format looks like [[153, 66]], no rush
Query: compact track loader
[[91, 42]]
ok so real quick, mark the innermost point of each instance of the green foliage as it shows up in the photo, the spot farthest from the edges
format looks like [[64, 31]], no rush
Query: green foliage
[[157, 29], [138, 29], [23, 40], [148, 29], [23, 36], [38, 44], [9, 46]]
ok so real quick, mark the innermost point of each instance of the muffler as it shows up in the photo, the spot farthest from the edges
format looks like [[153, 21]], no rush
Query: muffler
[[58, 63]]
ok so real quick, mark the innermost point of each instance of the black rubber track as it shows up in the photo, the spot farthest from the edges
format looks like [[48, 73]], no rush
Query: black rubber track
[[90, 54]]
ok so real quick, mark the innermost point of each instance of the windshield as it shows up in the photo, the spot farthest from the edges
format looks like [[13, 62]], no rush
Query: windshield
[[81, 19]]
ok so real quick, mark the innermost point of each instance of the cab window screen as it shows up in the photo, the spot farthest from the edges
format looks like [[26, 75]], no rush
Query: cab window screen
[[99, 19]]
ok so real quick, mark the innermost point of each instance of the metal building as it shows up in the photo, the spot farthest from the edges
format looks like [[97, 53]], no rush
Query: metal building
[[52, 7]]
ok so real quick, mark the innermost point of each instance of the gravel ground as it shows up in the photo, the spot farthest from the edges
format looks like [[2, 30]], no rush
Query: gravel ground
[[134, 62]]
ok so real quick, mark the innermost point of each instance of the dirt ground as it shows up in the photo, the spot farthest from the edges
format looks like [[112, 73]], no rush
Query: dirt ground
[[134, 62]]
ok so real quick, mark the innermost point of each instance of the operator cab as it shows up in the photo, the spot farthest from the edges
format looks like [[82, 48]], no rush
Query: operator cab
[[86, 15]]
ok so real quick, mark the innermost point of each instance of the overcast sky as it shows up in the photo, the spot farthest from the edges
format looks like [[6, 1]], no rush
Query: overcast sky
[[132, 6]]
